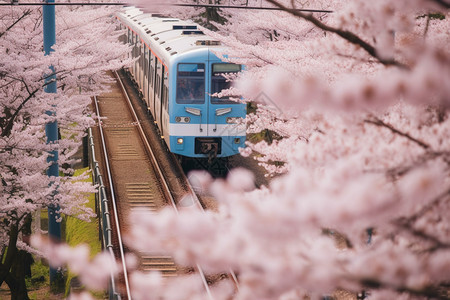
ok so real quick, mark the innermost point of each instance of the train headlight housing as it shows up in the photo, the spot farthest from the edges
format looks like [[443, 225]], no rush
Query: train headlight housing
[[180, 141], [182, 119], [237, 140]]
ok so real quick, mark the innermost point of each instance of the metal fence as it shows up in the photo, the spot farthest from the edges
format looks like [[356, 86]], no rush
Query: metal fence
[[101, 201]]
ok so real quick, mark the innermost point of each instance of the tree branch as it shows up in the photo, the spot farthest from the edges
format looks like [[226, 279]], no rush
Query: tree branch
[[442, 3], [25, 13], [430, 292], [427, 207], [380, 123], [405, 225], [346, 35], [9, 125]]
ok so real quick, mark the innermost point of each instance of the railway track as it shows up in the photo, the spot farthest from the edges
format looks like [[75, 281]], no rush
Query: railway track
[[136, 178]]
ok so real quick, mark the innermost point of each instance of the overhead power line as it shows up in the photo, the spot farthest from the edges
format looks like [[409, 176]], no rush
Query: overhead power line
[[245, 7], [17, 3]]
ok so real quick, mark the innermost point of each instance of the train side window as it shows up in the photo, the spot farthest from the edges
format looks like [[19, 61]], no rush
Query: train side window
[[219, 82], [190, 84]]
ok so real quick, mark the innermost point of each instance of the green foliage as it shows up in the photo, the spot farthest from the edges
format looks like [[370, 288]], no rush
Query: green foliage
[[437, 16], [265, 135], [433, 16]]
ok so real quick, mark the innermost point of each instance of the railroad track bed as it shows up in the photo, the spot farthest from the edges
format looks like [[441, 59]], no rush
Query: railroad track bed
[[134, 183], [137, 182]]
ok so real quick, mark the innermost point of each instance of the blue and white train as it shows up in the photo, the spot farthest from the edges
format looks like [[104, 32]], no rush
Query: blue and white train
[[177, 72]]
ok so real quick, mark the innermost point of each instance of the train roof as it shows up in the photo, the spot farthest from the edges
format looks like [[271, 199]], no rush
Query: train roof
[[170, 37]]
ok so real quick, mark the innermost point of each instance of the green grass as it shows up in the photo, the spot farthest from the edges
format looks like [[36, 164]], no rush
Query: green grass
[[80, 232], [74, 232], [40, 276]]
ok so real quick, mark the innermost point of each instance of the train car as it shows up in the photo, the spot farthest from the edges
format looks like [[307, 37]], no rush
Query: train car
[[178, 74]]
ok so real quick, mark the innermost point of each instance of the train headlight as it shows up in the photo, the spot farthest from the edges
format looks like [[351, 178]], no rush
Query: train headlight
[[180, 141], [237, 140], [182, 119]]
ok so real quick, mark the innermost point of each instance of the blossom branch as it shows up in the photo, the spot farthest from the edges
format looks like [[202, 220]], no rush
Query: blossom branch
[[430, 292], [25, 13], [442, 3], [428, 207], [346, 35], [407, 226], [9, 125], [376, 121]]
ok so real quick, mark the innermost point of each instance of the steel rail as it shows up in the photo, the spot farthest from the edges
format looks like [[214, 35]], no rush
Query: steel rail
[[113, 199], [147, 144], [199, 205], [104, 218], [160, 173]]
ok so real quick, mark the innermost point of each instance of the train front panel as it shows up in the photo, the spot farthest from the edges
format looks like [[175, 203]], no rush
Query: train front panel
[[203, 125]]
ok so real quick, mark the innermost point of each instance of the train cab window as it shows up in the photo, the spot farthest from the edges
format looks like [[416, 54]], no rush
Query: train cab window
[[191, 84], [219, 83]]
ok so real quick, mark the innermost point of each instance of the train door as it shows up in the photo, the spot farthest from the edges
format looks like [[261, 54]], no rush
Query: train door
[[145, 83], [158, 94], [165, 104], [166, 116], [135, 55], [151, 79], [132, 51], [155, 87], [138, 66], [141, 64]]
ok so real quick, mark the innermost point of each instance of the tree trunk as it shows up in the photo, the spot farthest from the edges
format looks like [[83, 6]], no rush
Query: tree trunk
[[20, 270], [11, 252], [16, 266]]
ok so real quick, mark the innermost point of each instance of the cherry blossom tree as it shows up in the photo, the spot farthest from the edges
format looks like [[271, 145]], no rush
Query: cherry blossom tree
[[87, 46], [357, 103]]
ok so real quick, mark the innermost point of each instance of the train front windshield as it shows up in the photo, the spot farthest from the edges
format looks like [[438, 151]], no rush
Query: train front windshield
[[219, 82], [191, 84]]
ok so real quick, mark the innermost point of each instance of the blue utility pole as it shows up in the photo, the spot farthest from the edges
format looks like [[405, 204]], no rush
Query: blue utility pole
[[51, 128]]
